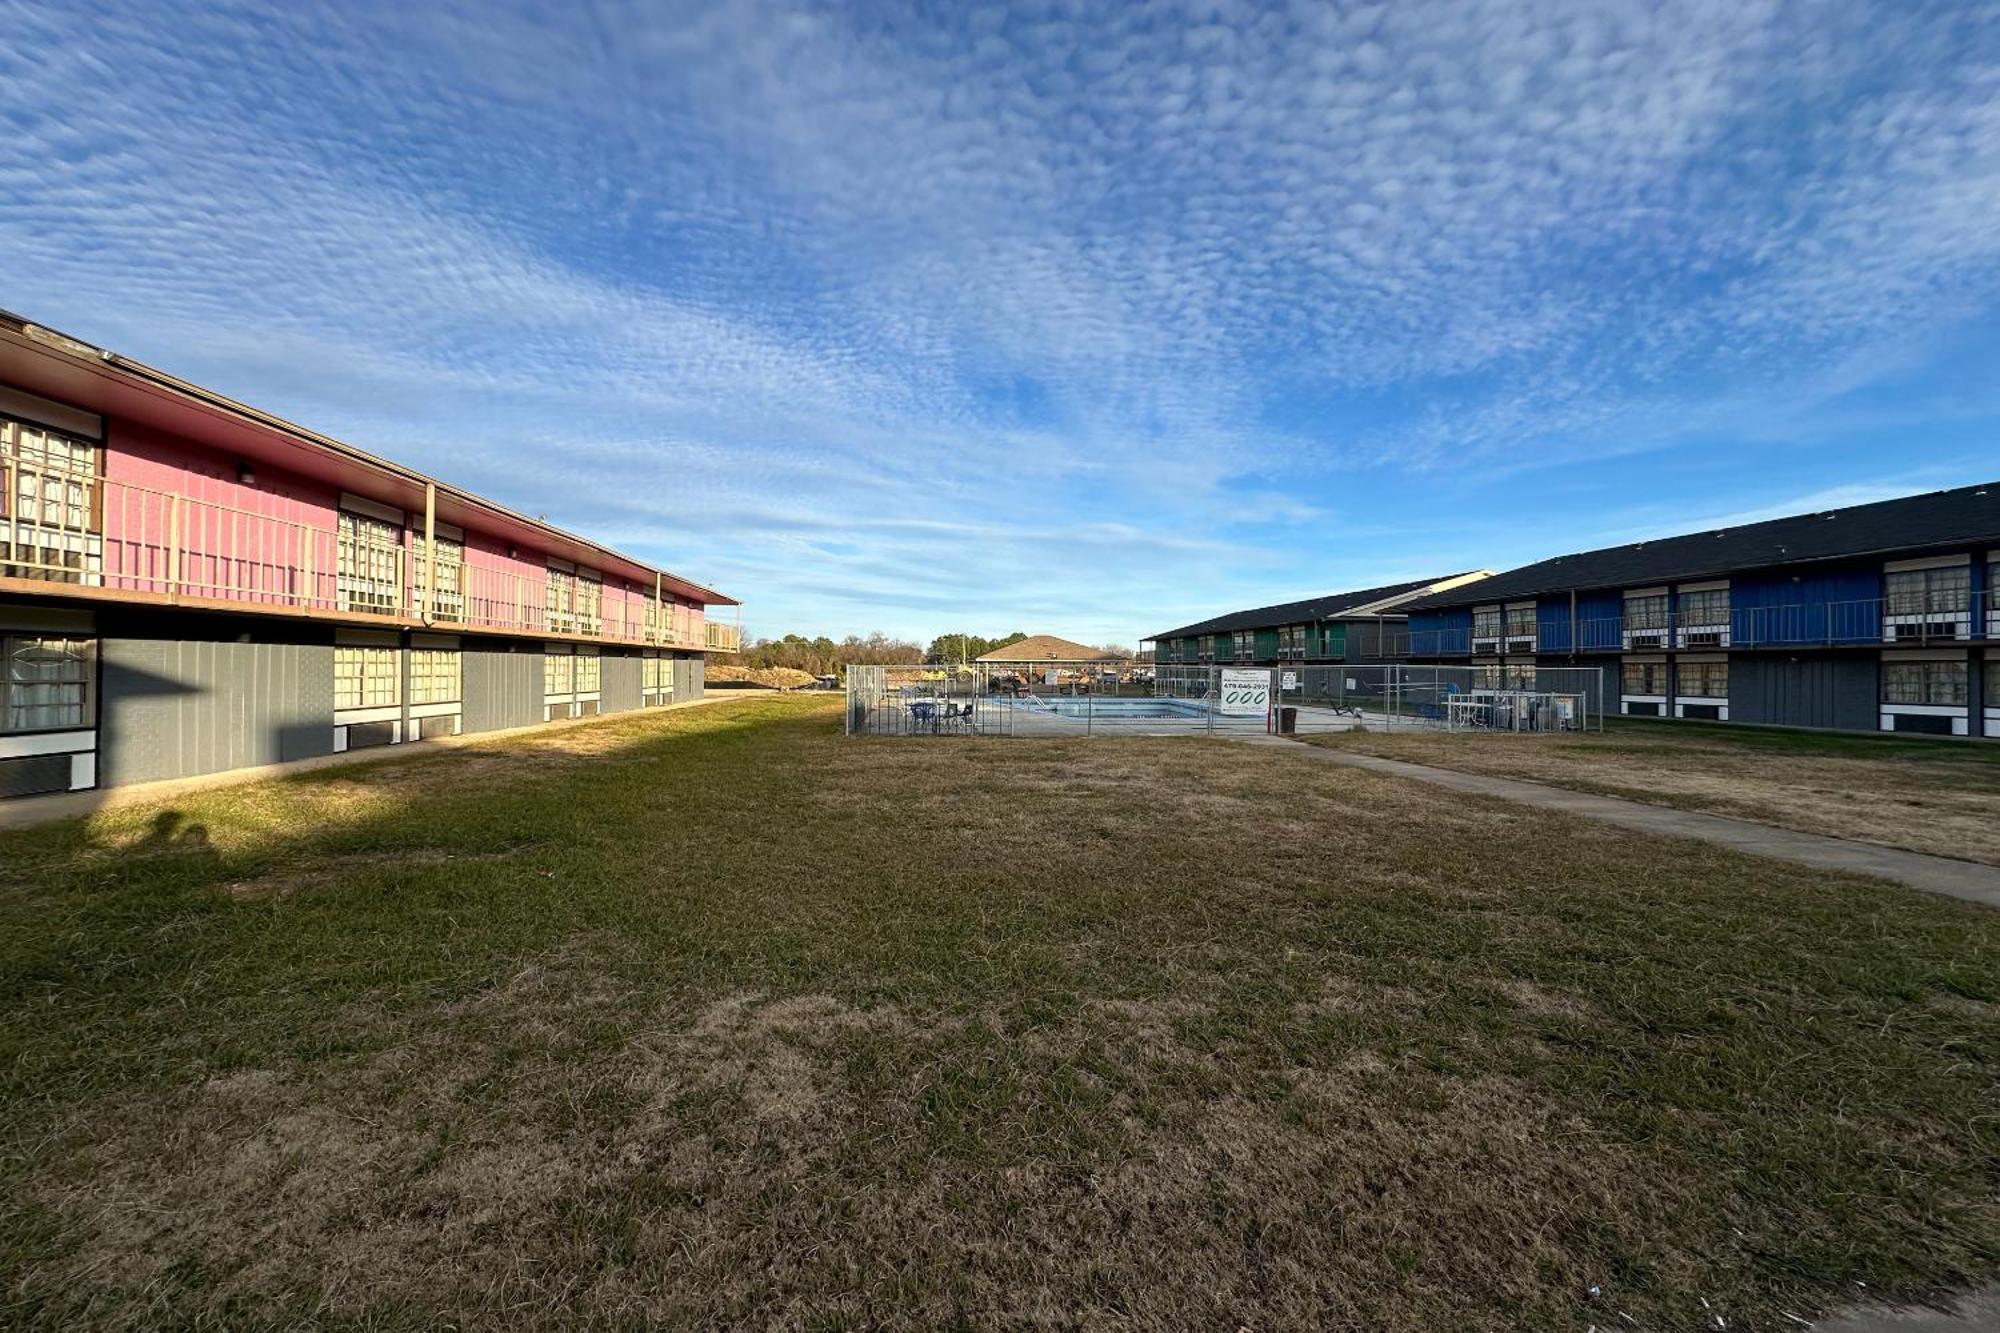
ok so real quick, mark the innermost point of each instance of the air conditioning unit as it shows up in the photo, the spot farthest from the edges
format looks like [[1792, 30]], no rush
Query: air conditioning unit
[[1704, 638], [1926, 629], [1646, 639]]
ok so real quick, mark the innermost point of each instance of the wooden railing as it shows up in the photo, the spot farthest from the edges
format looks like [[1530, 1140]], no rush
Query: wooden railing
[[92, 532]]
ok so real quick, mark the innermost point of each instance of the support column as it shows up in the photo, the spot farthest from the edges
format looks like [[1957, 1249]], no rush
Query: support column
[[430, 553]]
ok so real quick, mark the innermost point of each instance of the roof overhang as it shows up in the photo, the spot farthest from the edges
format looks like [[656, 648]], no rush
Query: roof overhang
[[53, 365]]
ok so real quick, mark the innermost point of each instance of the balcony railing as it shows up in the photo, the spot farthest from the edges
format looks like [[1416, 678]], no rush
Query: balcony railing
[[1853, 623], [118, 537], [1441, 642]]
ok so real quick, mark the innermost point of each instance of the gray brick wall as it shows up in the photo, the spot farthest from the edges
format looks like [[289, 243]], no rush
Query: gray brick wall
[[623, 685], [502, 689], [1827, 690], [174, 708]]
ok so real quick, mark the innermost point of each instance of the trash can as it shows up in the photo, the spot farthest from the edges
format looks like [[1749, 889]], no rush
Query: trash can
[[1288, 721]]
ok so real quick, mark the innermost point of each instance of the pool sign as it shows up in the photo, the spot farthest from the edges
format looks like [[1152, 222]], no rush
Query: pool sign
[[1290, 681], [1245, 693]]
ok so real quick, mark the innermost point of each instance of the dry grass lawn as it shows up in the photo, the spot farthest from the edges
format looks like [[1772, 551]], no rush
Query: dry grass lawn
[[1924, 795], [716, 1019]]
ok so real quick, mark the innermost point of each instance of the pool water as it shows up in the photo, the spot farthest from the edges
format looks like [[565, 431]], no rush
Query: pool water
[[1115, 710]]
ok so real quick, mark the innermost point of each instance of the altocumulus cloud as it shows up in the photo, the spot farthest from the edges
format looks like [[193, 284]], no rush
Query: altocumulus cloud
[[1073, 318]]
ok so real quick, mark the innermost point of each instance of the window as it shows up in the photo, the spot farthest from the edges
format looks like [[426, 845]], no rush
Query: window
[[1993, 683], [448, 581], [1644, 677], [1917, 592], [434, 676], [561, 600], [46, 684], [1486, 676], [1486, 622], [1521, 622], [55, 476], [558, 673], [589, 603], [659, 674], [1292, 642], [1941, 683], [1646, 612], [589, 673], [1708, 607], [1208, 647], [371, 564], [366, 677], [1704, 680], [1244, 645], [53, 486]]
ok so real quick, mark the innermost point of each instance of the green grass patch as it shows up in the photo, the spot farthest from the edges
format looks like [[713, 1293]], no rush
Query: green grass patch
[[715, 1018]]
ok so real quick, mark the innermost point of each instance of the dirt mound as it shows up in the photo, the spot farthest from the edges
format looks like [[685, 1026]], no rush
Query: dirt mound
[[771, 678]]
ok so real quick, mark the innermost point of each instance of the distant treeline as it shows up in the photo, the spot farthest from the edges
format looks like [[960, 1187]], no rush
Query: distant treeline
[[826, 657]]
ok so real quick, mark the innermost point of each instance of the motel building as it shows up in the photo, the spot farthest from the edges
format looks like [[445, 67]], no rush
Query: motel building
[[1878, 617], [189, 586], [1365, 626]]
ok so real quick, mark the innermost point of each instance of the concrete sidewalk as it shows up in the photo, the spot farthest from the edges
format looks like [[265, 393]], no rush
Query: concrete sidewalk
[[1933, 874], [1970, 1313]]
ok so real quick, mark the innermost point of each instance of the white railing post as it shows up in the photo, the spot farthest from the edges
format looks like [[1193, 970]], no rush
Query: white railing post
[[430, 551], [173, 545]]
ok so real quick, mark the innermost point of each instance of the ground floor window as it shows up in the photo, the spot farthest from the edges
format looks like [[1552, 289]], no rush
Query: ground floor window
[[1938, 683], [46, 685], [589, 672], [1643, 678], [1993, 682], [659, 674], [366, 677], [434, 676], [558, 673], [1705, 680]]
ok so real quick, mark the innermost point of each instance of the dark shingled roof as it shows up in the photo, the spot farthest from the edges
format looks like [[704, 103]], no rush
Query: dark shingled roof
[[1330, 607], [1970, 514]]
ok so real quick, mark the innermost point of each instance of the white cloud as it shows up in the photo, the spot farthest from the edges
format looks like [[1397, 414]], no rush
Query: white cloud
[[968, 290]]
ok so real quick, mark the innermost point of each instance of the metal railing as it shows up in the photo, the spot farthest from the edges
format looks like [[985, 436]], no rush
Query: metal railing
[[1856, 622], [95, 532], [1085, 699]]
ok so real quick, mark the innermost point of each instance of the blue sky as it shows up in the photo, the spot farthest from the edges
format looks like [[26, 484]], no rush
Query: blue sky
[[1081, 319]]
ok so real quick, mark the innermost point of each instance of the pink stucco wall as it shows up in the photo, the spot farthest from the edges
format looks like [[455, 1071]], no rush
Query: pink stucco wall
[[274, 539]]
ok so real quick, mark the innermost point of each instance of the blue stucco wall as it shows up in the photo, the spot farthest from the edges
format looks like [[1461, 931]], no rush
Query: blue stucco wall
[[1552, 625], [1444, 632], [1825, 606], [1600, 620]]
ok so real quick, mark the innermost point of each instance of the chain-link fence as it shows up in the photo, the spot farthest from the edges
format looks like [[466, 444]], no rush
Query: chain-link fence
[[1068, 699]]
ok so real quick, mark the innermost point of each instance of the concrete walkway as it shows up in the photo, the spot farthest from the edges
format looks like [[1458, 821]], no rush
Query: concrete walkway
[[1933, 874], [1968, 1314]]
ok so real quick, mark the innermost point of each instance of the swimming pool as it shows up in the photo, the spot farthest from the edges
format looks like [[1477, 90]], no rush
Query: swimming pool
[[1113, 709]]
